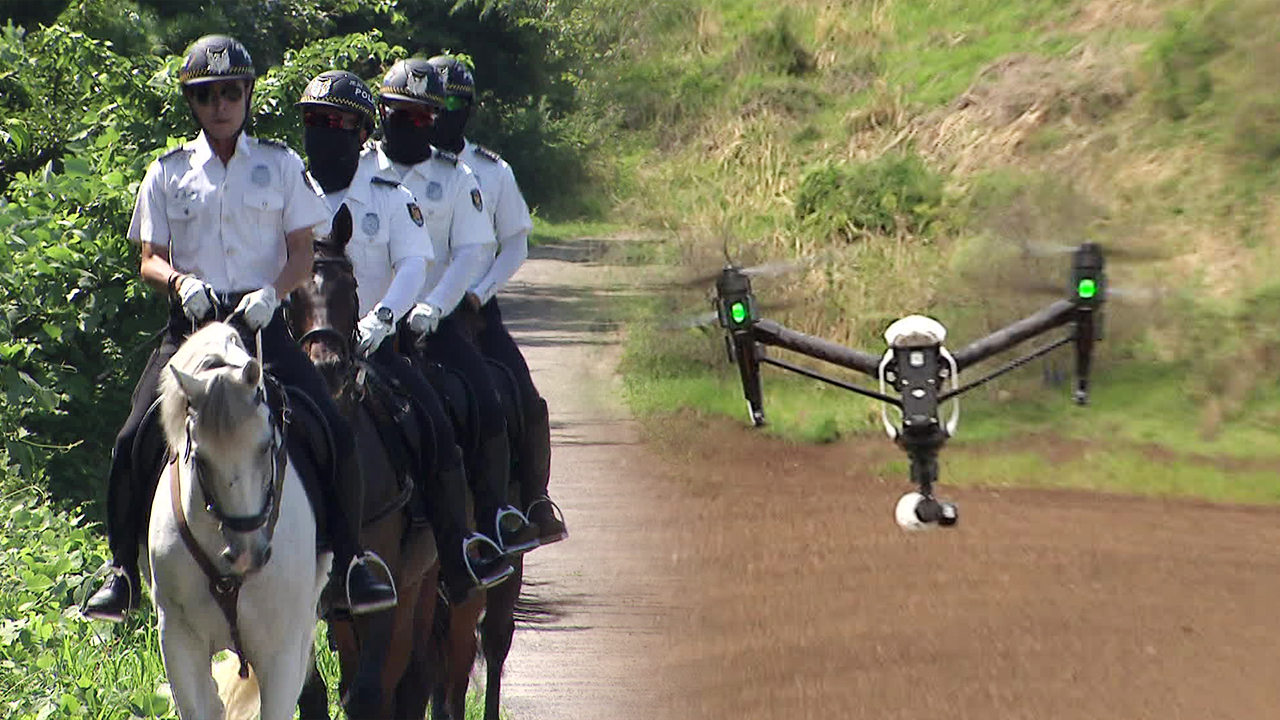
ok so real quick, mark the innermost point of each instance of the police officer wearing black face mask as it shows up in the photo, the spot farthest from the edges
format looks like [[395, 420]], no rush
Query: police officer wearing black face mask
[[509, 215], [411, 99], [390, 251]]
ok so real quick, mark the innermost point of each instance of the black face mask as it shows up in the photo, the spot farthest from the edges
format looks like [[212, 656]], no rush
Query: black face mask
[[448, 129], [405, 142], [333, 154]]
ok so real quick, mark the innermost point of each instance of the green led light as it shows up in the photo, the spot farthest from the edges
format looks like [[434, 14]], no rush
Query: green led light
[[738, 312], [1087, 288]]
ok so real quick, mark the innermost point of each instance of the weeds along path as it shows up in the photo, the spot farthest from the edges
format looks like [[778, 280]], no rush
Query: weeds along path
[[594, 646]]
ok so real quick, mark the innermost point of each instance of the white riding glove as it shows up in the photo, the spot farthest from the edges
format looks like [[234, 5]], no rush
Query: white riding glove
[[370, 332], [258, 307], [195, 295], [424, 318]]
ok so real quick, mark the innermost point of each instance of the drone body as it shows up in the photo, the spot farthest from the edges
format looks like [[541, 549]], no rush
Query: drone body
[[921, 372]]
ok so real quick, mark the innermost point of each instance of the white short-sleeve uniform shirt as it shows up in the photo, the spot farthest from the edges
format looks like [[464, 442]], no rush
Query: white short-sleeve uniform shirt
[[226, 224], [508, 213], [450, 199], [387, 227]]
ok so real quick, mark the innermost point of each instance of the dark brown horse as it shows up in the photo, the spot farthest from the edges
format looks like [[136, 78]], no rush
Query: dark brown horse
[[374, 649], [450, 653]]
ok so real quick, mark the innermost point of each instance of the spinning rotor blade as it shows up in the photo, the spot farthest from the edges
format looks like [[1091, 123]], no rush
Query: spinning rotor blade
[[710, 317], [1109, 252], [1123, 293]]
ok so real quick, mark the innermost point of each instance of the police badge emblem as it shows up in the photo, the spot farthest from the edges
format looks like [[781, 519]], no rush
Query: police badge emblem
[[415, 214], [371, 223], [416, 84], [435, 190], [219, 60], [261, 176], [475, 199], [319, 87]]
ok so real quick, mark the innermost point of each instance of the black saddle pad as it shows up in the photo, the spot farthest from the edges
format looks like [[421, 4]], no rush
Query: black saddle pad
[[310, 447]]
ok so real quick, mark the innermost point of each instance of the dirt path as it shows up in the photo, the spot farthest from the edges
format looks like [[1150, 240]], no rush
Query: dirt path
[[812, 604], [611, 579]]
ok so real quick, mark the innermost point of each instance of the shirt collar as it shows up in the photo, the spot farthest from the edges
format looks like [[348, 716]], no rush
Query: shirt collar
[[203, 151]]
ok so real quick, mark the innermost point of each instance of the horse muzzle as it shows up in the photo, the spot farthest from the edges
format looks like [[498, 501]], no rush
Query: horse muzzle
[[246, 553]]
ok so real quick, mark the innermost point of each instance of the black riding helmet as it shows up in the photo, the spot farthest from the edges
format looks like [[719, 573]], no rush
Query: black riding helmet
[[344, 91], [215, 57], [413, 80], [457, 79]]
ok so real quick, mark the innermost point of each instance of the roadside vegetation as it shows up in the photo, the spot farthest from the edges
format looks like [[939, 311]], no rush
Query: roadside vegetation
[[912, 150]]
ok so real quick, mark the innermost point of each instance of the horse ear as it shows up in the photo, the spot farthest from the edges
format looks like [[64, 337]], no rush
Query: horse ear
[[193, 388], [251, 373]]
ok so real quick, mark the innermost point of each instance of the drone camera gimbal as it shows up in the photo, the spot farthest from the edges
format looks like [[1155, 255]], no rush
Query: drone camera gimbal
[[917, 374]]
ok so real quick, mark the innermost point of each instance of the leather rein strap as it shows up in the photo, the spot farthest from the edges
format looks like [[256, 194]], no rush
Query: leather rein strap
[[225, 588]]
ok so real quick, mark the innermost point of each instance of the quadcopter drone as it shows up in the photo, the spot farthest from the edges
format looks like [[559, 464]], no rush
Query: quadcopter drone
[[917, 374]]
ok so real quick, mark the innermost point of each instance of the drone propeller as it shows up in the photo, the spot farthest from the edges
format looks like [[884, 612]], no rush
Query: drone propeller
[[1110, 252], [1122, 293]]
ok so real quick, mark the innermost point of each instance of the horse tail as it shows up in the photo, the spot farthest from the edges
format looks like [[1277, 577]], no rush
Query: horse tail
[[239, 695]]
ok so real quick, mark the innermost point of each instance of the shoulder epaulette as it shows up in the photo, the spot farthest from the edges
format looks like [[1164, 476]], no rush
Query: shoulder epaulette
[[377, 180], [446, 156], [273, 144], [175, 151], [487, 154]]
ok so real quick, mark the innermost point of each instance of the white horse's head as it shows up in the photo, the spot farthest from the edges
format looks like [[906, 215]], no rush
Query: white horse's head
[[215, 416]]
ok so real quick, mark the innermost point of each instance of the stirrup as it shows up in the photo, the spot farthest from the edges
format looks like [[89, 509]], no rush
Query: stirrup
[[106, 569], [356, 560], [556, 513], [521, 548], [478, 539]]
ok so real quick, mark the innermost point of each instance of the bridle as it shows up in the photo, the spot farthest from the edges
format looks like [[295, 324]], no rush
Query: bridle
[[343, 340], [271, 490]]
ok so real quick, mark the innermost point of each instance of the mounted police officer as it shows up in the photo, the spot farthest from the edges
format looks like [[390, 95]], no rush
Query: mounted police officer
[[509, 216], [411, 99], [390, 252], [227, 220]]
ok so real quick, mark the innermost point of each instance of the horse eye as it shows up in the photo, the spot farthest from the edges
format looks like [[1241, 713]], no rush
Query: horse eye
[[265, 447]]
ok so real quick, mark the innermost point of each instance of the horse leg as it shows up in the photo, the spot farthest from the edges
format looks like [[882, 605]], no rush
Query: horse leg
[[187, 663], [461, 654], [280, 679], [413, 693], [496, 632], [313, 703]]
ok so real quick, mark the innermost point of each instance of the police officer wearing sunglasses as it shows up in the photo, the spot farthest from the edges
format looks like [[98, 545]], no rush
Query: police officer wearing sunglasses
[[227, 221], [509, 215], [390, 251], [412, 96]]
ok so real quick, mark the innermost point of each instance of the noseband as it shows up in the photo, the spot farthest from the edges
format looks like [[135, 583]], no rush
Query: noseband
[[344, 341]]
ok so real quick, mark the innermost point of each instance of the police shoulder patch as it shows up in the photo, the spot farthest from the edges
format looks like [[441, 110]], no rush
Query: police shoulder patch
[[176, 151], [488, 154], [445, 156], [377, 180], [476, 199], [415, 214]]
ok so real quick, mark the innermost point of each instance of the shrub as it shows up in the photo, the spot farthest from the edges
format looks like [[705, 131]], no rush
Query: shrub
[[896, 193]]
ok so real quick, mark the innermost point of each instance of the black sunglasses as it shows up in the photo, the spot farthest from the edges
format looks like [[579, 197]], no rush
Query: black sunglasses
[[329, 119], [205, 93]]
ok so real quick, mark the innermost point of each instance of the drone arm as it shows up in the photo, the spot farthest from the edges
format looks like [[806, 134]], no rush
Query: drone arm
[[1059, 313], [769, 332]]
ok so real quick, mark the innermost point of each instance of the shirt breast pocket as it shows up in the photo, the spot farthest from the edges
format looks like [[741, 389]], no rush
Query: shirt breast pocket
[[182, 208], [266, 201]]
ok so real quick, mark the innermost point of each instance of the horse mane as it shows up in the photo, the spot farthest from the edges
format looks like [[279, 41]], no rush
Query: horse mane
[[216, 348]]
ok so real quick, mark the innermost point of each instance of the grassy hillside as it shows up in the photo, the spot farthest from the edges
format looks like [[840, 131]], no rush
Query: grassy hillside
[[912, 148]]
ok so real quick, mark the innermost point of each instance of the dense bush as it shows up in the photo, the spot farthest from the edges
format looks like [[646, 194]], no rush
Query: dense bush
[[895, 193]]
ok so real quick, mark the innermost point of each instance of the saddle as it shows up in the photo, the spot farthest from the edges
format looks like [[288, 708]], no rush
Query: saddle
[[308, 440]]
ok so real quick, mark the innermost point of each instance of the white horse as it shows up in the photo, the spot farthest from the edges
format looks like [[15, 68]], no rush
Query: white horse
[[240, 498]]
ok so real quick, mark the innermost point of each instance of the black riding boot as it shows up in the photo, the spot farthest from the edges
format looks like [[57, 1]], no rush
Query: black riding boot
[[362, 592], [468, 561], [496, 517], [122, 592], [535, 474]]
